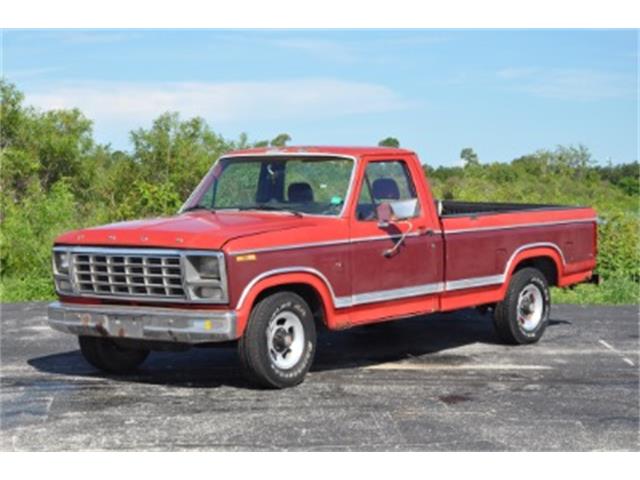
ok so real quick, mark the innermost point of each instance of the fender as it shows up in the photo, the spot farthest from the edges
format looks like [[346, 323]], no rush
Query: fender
[[285, 276], [547, 250]]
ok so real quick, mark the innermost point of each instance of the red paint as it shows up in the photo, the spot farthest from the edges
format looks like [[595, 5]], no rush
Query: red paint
[[339, 260], [193, 230]]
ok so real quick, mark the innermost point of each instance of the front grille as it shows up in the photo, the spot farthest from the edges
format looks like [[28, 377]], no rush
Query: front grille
[[129, 275]]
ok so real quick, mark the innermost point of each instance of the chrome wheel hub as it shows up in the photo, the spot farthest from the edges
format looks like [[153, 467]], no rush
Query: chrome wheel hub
[[285, 340], [530, 307]]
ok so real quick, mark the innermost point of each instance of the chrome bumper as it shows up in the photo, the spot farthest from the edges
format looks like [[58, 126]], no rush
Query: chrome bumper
[[144, 323]]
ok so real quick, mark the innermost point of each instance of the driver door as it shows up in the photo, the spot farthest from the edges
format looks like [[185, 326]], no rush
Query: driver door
[[400, 274]]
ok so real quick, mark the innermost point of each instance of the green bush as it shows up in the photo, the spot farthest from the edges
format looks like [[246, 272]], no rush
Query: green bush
[[29, 228], [612, 291], [55, 178], [565, 176], [26, 289], [618, 246]]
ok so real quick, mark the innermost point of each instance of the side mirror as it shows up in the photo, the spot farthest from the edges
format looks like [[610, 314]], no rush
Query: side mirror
[[384, 212]]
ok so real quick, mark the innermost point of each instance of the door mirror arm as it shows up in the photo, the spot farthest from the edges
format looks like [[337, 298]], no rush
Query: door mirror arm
[[389, 252], [384, 213]]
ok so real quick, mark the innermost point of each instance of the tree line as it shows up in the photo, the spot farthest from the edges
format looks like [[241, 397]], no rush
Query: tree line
[[54, 176]]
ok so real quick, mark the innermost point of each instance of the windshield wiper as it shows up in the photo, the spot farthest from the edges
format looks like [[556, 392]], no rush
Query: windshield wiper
[[197, 207], [272, 208]]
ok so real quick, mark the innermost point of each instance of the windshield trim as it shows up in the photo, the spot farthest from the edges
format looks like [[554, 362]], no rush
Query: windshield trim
[[204, 183]]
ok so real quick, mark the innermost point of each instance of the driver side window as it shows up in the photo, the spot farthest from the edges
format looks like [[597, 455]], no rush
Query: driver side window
[[387, 181]]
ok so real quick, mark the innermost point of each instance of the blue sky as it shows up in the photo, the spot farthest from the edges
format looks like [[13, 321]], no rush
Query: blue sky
[[504, 93]]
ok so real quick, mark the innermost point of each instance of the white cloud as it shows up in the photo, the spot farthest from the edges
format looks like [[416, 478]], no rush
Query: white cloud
[[570, 84], [221, 102], [355, 50]]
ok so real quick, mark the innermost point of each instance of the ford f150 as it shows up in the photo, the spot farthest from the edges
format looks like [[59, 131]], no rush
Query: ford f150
[[275, 243]]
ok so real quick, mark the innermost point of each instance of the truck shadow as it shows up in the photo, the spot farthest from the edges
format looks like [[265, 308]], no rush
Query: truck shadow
[[425, 339]]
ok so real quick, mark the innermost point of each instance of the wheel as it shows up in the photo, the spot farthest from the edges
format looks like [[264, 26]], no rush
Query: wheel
[[278, 345], [524, 313], [105, 354]]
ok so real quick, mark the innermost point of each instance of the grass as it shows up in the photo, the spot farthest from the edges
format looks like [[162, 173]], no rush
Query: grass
[[612, 291], [26, 289]]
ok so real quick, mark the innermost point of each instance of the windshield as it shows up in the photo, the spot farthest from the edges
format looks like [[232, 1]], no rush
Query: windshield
[[311, 185]]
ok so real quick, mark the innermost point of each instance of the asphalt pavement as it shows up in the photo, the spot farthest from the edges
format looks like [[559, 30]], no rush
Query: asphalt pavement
[[441, 382]]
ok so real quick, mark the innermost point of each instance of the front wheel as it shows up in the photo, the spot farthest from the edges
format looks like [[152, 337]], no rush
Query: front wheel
[[105, 354], [523, 315], [279, 343]]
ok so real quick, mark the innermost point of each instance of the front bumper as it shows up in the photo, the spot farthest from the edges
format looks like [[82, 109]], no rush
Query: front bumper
[[144, 323]]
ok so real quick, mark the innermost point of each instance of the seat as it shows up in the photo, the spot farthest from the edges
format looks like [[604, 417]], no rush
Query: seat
[[300, 192], [385, 189]]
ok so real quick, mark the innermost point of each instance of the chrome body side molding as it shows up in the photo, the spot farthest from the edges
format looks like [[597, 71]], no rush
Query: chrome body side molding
[[279, 271], [394, 294], [328, 243], [406, 292], [511, 227]]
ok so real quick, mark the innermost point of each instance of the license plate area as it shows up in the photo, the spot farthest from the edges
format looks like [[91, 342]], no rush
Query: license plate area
[[127, 326]]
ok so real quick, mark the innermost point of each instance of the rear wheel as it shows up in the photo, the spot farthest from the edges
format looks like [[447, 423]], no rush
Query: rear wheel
[[105, 354], [523, 315], [278, 345]]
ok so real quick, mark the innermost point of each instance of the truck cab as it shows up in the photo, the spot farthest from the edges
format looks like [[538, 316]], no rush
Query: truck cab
[[274, 243]]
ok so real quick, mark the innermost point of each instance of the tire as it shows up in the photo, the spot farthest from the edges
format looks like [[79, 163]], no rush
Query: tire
[[279, 343], [106, 355], [523, 315]]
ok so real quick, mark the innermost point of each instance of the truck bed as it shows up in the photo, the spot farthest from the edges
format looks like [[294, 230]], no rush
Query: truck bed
[[452, 208], [482, 240]]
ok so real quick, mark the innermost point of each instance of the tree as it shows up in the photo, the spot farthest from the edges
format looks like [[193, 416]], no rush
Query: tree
[[54, 177], [281, 140], [176, 152], [11, 113], [469, 157], [42, 147], [389, 142]]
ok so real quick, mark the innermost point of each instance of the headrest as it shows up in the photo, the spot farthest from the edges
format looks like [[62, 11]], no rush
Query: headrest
[[385, 189], [300, 192]]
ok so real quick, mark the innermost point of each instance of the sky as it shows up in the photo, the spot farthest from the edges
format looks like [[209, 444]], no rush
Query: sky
[[504, 93]]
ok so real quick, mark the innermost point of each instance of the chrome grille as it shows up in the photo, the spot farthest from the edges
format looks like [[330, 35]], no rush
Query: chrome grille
[[126, 274]]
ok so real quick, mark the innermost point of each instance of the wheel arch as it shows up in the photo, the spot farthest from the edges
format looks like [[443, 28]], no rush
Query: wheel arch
[[313, 287], [548, 259]]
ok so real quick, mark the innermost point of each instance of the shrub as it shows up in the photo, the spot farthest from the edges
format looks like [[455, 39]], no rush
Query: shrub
[[29, 228], [54, 178]]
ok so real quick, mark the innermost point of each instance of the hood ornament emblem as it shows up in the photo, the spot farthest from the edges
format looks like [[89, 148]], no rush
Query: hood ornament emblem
[[179, 240], [144, 238], [111, 237]]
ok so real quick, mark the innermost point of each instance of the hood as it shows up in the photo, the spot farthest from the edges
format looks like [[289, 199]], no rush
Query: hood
[[193, 230]]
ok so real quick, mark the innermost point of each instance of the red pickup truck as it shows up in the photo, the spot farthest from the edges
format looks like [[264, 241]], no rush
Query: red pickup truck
[[275, 243]]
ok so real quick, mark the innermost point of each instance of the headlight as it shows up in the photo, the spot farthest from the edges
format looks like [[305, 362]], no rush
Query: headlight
[[61, 262], [205, 277], [207, 267], [202, 267], [208, 293], [61, 274]]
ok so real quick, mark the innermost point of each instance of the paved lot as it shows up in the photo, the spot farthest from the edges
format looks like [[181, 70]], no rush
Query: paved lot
[[434, 383]]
